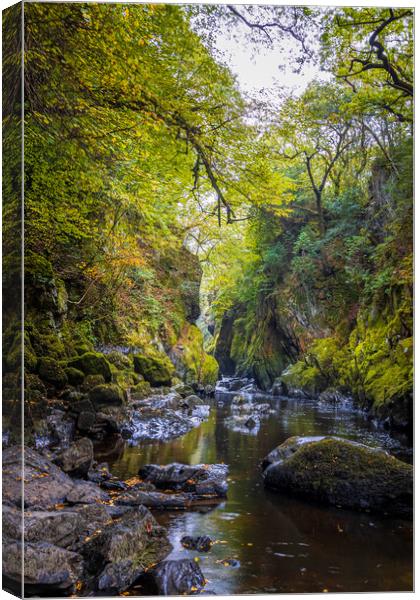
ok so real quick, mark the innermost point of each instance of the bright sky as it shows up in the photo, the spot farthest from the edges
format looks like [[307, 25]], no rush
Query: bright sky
[[272, 68]]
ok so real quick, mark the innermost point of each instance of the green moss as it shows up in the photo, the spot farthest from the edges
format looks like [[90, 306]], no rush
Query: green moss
[[50, 370], [126, 378], [120, 360], [209, 370], [74, 376], [192, 363], [90, 381], [92, 363], [156, 368], [141, 390], [336, 471], [107, 394]]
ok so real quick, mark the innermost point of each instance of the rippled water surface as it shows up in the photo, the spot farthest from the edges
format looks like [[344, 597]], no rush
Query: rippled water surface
[[282, 544]]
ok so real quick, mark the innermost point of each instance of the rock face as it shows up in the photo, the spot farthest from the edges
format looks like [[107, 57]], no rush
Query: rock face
[[206, 480], [176, 577], [342, 473], [125, 549], [45, 483]]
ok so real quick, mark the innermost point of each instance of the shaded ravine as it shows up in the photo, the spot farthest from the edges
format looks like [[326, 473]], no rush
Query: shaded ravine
[[282, 544]]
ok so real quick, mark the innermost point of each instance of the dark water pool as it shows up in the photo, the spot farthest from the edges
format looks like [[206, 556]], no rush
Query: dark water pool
[[282, 544]]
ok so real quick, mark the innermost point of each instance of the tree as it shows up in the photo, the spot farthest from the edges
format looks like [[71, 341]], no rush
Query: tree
[[316, 130]]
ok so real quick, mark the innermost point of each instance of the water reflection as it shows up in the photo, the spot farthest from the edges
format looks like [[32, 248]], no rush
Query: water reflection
[[282, 544]]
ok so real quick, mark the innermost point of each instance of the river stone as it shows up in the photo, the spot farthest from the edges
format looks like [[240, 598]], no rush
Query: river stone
[[77, 459], [338, 472], [47, 568], [178, 577], [45, 483], [124, 549], [85, 421], [202, 543], [156, 500], [209, 480]]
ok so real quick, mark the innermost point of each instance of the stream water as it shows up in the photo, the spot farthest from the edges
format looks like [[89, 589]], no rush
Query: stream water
[[282, 544]]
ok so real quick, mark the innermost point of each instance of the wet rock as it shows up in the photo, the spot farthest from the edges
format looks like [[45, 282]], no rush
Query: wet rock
[[124, 549], [209, 391], [176, 577], [47, 568], [207, 480], [60, 428], [85, 421], [86, 492], [45, 483], [99, 473], [156, 500], [165, 416], [334, 397], [342, 473], [183, 389], [77, 459], [251, 422], [279, 388], [202, 543]]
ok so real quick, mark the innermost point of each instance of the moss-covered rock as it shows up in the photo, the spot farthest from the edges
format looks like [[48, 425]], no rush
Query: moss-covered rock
[[126, 378], [141, 390], [342, 473], [156, 368], [120, 361], [91, 381], [106, 395], [75, 376], [92, 363], [209, 371], [192, 363], [51, 371]]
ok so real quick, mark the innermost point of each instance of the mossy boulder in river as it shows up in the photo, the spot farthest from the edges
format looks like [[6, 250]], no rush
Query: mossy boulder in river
[[342, 473], [92, 363], [157, 369], [75, 376]]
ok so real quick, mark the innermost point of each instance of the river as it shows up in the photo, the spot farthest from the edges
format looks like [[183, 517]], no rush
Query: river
[[280, 544]]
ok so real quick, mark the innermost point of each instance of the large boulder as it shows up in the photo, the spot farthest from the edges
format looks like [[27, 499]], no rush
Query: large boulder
[[342, 473], [206, 480], [157, 369], [92, 363], [124, 550], [178, 577], [65, 528], [45, 483], [48, 568], [77, 459]]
